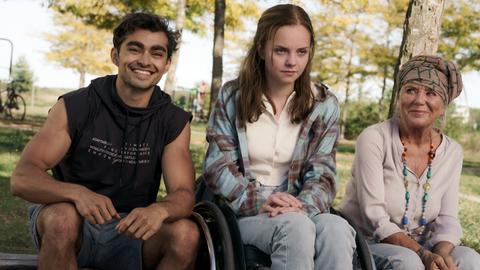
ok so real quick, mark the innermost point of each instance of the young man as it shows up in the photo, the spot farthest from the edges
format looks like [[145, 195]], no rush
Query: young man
[[109, 144]]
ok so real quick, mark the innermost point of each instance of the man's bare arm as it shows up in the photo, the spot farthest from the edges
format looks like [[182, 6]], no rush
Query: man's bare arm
[[31, 182], [179, 177]]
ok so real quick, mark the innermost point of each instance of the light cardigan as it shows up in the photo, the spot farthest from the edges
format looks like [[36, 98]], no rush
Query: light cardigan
[[312, 175], [375, 196]]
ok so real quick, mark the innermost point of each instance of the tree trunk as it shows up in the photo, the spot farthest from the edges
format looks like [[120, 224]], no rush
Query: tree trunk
[[421, 32], [382, 95], [344, 112], [348, 77], [218, 43], [179, 23], [385, 77], [81, 83]]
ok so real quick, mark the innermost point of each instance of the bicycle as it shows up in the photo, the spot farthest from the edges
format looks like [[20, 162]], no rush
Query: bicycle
[[14, 107]]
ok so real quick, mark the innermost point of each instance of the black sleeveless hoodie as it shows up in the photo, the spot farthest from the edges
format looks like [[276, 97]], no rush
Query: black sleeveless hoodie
[[116, 150]]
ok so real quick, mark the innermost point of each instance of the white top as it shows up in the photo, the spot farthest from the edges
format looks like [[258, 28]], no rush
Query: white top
[[271, 144], [375, 196]]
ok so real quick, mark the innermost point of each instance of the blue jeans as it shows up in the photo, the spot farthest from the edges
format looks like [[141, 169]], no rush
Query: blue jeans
[[389, 257], [102, 247], [294, 241]]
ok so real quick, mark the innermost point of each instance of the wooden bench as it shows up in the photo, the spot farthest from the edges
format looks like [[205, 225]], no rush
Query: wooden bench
[[10, 261]]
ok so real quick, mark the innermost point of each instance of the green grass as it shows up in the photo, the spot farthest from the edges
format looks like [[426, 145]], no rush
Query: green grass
[[469, 217], [470, 184], [14, 233]]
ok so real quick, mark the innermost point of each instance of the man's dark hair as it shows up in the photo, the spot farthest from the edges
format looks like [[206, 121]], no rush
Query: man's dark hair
[[146, 21]]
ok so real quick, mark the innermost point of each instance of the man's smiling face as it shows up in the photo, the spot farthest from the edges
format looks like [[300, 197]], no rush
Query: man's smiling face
[[142, 60]]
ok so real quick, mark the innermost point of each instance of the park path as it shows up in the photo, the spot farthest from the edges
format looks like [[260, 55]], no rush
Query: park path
[[471, 198]]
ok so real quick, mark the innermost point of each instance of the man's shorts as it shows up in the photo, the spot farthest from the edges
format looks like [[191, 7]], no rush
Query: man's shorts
[[102, 247]]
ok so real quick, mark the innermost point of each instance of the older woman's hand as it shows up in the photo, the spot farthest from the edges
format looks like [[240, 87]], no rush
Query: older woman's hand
[[450, 261], [434, 261]]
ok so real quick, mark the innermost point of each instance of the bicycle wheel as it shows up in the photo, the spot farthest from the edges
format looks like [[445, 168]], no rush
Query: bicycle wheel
[[15, 108]]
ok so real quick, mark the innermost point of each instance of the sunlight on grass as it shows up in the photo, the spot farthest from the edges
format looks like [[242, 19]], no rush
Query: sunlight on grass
[[469, 217], [470, 184], [14, 235]]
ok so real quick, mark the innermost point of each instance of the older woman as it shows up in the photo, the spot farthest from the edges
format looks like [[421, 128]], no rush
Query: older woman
[[405, 178]]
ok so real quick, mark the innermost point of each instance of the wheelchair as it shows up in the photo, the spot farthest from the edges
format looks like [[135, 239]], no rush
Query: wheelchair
[[221, 246]]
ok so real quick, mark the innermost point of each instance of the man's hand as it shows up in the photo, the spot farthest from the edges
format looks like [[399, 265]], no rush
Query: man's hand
[[94, 207], [142, 223], [279, 203]]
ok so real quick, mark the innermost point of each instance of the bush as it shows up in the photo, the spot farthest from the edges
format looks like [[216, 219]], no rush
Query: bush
[[361, 114], [454, 127], [22, 76]]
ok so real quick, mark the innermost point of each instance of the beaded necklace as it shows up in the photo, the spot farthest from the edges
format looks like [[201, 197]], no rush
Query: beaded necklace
[[426, 186]]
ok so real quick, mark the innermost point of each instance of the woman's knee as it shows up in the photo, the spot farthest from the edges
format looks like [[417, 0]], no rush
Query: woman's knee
[[296, 231], [389, 256], [335, 228], [466, 258], [296, 225]]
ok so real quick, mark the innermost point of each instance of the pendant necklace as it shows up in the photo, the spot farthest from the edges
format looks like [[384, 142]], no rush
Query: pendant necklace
[[426, 186]]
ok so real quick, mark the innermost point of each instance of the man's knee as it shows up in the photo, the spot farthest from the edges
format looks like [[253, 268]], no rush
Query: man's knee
[[59, 224], [184, 235]]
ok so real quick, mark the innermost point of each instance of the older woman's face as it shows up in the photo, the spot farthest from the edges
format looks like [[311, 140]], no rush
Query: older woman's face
[[420, 106]]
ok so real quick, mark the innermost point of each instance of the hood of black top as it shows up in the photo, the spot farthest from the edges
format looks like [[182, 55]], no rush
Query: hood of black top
[[123, 114]]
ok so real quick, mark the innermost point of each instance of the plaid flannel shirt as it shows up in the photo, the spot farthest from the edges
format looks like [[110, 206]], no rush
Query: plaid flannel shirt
[[312, 175]]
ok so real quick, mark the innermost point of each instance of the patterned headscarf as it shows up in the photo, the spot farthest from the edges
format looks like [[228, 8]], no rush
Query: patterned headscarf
[[440, 75]]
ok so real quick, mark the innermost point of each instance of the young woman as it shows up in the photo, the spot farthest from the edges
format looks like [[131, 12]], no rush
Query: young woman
[[406, 173], [272, 137]]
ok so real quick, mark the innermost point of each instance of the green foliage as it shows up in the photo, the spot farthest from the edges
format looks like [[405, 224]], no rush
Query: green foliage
[[460, 37], [340, 39], [106, 14], [22, 76], [361, 115], [471, 146], [454, 126], [474, 120], [198, 154], [80, 47]]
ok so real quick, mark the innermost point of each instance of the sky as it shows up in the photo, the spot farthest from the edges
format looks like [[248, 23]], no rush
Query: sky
[[25, 21]]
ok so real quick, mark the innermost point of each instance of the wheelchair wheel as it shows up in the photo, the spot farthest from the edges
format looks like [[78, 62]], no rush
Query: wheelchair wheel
[[224, 257]]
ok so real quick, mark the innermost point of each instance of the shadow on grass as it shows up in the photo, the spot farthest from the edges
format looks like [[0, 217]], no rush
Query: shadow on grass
[[471, 167], [13, 140], [346, 148], [14, 229]]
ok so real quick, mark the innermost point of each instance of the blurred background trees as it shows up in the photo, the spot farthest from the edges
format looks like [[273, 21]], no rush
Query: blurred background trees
[[358, 42], [83, 48], [22, 77]]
